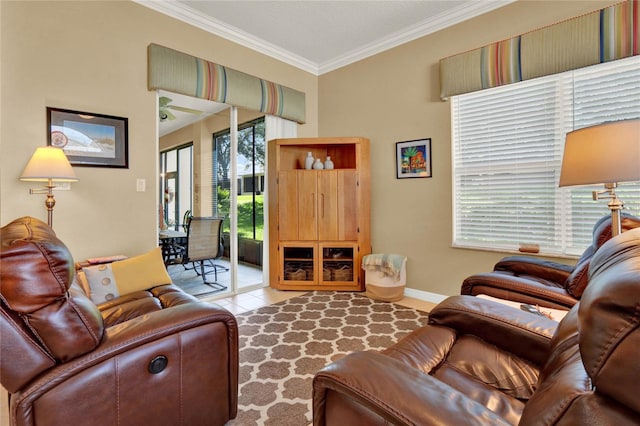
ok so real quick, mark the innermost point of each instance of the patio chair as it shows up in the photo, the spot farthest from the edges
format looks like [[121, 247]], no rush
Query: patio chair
[[203, 246]]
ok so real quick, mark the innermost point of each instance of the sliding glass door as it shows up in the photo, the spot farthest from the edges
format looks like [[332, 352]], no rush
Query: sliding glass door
[[215, 166], [238, 195]]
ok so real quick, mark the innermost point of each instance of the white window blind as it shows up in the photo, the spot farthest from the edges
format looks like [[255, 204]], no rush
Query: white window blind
[[507, 153]]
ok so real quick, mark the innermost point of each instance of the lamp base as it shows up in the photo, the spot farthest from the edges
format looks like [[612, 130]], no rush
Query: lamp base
[[50, 202], [615, 205]]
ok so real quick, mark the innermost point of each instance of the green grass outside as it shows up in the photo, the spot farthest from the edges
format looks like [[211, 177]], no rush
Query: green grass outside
[[245, 217]]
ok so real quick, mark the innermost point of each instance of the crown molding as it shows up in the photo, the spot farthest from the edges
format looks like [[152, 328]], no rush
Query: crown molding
[[424, 28], [194, 18]]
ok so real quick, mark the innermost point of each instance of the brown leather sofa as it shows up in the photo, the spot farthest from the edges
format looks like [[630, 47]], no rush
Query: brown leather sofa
[[156, 357], [535, 281], [479, 362]]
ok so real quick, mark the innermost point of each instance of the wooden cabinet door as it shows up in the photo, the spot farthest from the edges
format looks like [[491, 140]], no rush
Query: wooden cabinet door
[[307, 205], [328, 205], [318, 205], [347, 202], [339, 264], [299, 263], [337, 205], [288, 205]]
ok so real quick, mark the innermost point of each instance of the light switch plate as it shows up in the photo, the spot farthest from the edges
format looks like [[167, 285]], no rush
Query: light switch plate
[[141, 185], [62, 186]]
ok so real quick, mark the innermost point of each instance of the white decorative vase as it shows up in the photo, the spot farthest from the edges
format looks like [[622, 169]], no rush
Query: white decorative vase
[[318, 164], [328, 164], [308, 162]]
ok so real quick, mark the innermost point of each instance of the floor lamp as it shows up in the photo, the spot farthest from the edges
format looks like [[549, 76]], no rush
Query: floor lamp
[[48, 164], [608, 153]]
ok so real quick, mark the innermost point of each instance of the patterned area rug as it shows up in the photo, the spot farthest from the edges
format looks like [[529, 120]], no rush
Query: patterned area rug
[[283, 345]]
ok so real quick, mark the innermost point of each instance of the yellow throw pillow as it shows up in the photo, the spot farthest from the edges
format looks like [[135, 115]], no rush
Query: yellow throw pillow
[[111, 280], [81, 279]]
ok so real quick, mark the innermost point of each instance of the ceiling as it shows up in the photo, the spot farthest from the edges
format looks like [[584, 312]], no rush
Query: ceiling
[[317, 36]]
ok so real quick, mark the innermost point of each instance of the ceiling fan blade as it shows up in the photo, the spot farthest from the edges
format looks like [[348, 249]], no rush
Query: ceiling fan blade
[[183, 109], [164, 101]]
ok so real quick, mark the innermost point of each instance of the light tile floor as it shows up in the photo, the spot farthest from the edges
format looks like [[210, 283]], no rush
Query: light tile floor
[[239, 304], [251, 300]]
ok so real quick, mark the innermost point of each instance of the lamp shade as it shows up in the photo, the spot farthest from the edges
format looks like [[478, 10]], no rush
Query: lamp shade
[[49, 163], [606, 153]]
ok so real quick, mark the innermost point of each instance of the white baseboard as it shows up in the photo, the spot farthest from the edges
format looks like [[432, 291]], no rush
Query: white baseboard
[[424, 295]]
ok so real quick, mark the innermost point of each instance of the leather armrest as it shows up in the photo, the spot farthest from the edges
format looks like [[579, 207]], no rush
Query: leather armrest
[[141, 330], [159, 324], [527, 265], [400, 394], [521, 333], [521, 289]]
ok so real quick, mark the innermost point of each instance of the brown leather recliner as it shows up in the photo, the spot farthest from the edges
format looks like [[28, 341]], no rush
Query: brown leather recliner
[[479, 362], [156, 357], [532, 280]]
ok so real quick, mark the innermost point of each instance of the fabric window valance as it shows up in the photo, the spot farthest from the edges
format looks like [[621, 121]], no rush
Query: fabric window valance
[[179, 72], [601, 36]]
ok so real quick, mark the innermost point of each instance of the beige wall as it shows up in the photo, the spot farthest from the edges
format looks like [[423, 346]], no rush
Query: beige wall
[[92, 56], [394, 96]]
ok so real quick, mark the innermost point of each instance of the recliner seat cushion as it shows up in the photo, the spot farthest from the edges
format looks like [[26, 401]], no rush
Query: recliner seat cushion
[[475, 368]]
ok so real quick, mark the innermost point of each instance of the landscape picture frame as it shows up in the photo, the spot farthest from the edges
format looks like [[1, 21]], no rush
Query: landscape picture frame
[[89, 139]]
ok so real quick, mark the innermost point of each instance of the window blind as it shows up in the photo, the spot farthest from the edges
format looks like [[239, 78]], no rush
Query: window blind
[[507, 153]]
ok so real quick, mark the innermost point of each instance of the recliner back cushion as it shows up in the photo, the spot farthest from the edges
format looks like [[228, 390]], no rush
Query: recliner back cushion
[[578, 279], [563, 379], [37, 271], [609, 320], [591, 374]]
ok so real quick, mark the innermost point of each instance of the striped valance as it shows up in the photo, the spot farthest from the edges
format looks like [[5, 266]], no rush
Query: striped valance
[[178, 72], [601, 36]]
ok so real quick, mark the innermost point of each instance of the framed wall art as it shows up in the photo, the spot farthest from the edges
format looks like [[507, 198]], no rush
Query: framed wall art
[[89, 139], [413, 159]]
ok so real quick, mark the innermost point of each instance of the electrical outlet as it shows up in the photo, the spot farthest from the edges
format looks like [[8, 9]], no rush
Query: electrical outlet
[[141, 185]]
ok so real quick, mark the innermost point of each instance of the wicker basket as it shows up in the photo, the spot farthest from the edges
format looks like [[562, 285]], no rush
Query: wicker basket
[[326, 274], [344, 273], [309, 271], [295, 275]]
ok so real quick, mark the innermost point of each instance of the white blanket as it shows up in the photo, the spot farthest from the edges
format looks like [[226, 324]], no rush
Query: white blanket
[[388, 264]]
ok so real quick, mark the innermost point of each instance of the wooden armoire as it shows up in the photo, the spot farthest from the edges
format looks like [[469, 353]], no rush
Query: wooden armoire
[[319, 220]]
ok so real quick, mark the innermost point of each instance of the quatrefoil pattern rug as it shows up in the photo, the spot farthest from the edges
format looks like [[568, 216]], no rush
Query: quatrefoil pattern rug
[[283, 345]]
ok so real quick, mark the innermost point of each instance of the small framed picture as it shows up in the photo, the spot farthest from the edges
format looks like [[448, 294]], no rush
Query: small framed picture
[[413, 159], [89, 139]]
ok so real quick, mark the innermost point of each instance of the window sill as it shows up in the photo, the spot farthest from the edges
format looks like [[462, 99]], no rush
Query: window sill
[[507, 251]]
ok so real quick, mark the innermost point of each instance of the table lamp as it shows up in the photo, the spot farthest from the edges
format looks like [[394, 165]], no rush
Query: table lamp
[[48, 164], [608, 153]]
